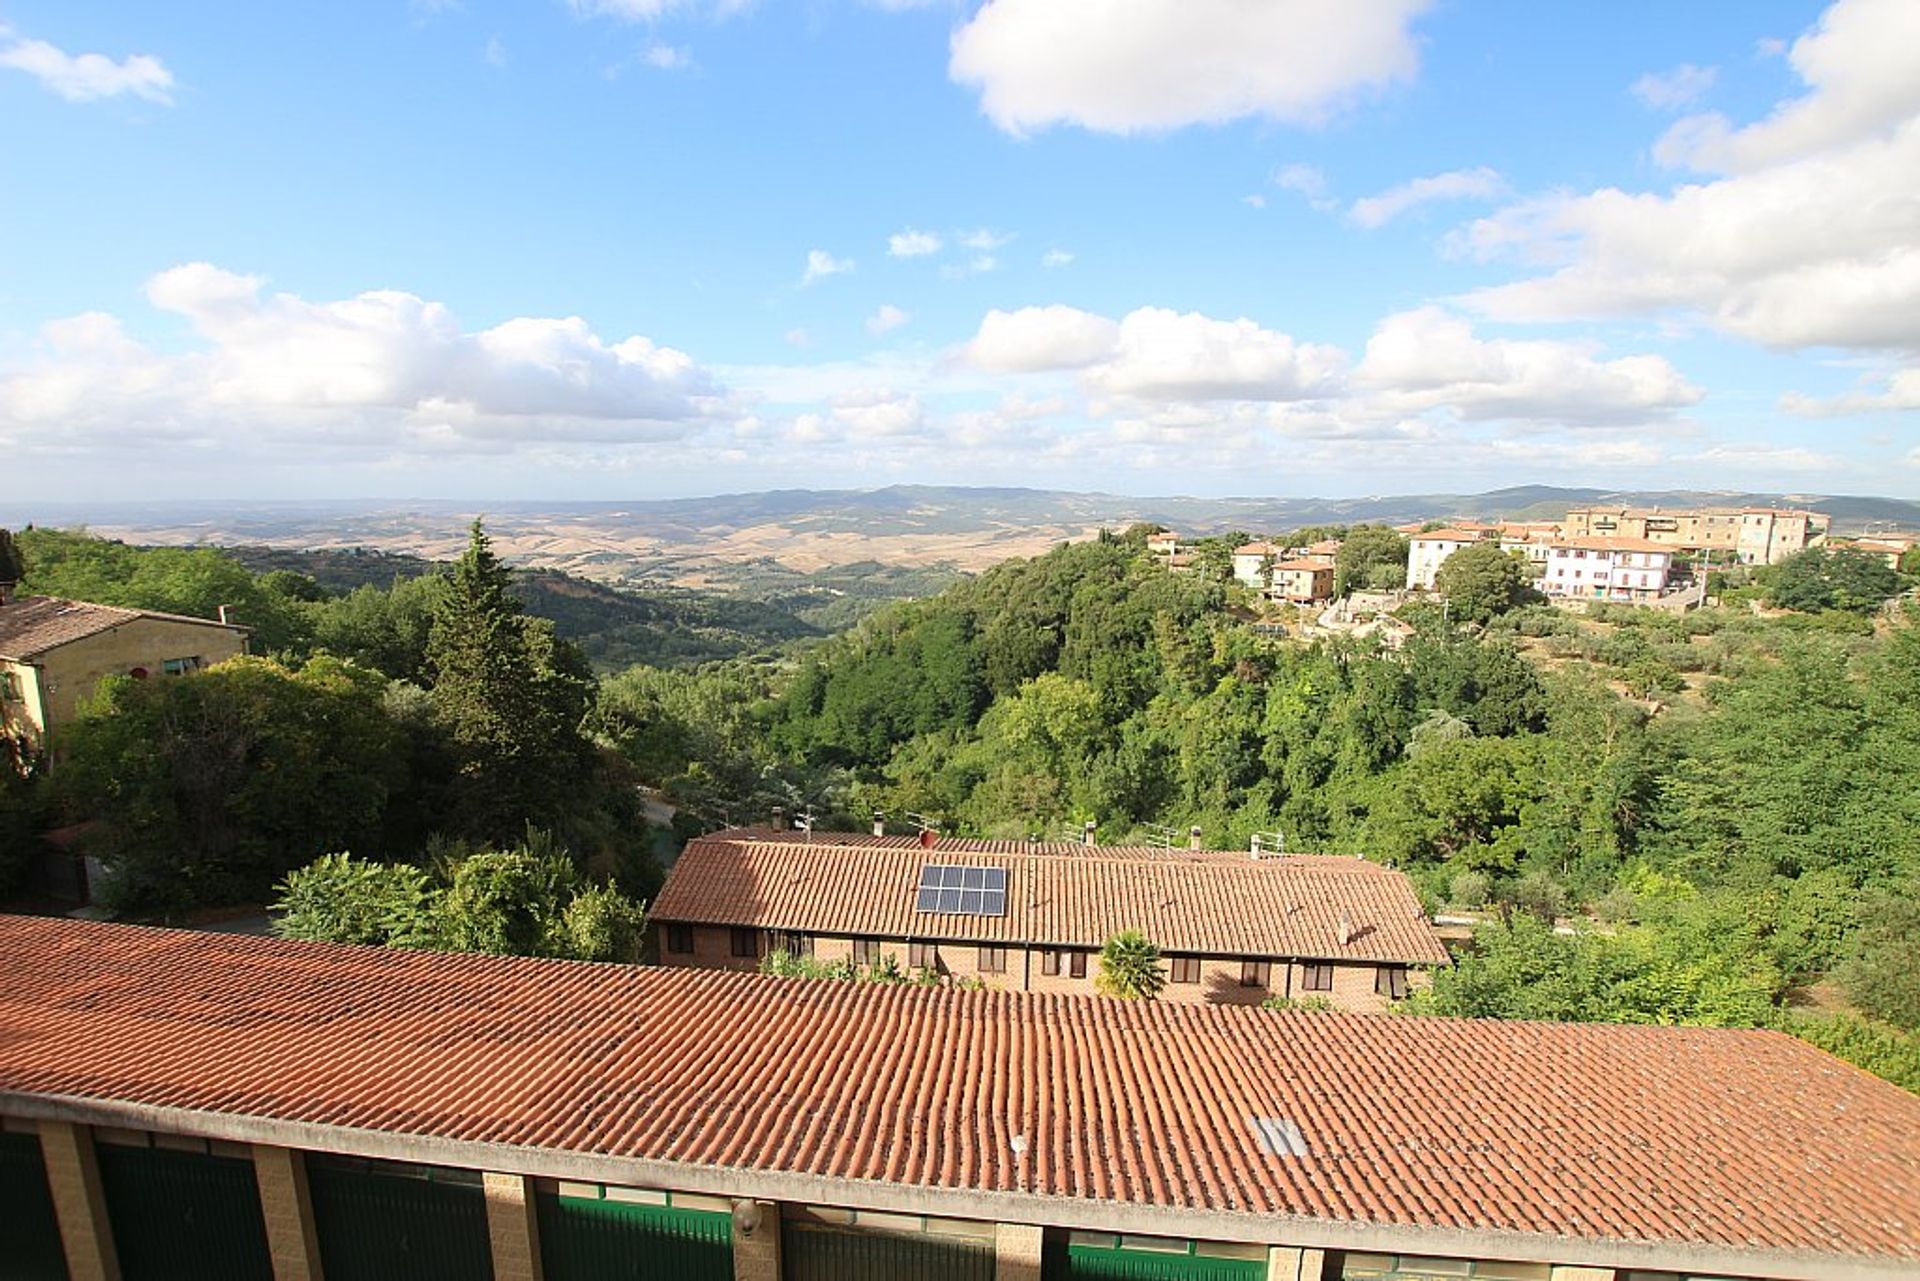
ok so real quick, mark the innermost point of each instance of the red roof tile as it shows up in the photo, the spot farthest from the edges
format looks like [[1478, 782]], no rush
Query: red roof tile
[[1747, 1142], [1212, 903]]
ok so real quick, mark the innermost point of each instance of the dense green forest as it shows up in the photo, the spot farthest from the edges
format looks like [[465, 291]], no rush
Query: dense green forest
[[1707, 817]]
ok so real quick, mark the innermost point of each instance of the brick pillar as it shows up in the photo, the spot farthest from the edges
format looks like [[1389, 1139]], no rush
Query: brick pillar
[[513, 1226], [1293, 1263], [74, 1179], [756, 1253], [1016, 1252], [288, 1208]]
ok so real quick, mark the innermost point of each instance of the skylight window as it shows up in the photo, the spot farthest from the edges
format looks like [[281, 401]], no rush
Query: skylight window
[[962, 891], [1278, 1136]]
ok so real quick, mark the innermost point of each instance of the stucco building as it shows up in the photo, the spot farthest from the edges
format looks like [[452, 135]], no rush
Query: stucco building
[[1032, 916], [212, 1105], [1609, 569], [1753, 535], [53, 653]]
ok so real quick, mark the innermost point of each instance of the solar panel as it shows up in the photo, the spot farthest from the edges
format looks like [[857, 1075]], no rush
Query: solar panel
[[962, 891]]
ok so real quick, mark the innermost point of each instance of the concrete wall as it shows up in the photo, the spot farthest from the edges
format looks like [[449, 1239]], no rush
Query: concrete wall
[[1353, 984]]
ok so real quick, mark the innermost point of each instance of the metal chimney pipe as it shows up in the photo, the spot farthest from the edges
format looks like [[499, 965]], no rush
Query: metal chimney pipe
[[1086, 833], [1193, 838], [879, 823], [1254, 847]]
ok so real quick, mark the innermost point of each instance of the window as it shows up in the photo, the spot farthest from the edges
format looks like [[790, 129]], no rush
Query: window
[[680, 939], [746, 942], [923, 956], [794, 943], [1256, 973], [992, 960], [180, 666], [866, 951], [1316, 978], [1050, 961], [1186, 969], [1077, 965], [1390, 981]]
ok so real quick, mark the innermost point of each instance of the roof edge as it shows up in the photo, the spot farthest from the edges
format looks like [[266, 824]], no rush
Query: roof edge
[[997, 1207]]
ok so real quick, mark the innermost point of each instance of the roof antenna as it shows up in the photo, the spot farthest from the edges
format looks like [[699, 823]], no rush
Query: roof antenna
[[1160, 838], [804, 820]]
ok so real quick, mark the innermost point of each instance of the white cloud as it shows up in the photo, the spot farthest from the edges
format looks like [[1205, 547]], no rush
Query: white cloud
[[799, 338], [86, 77], [1037, 338], [887, 318], [1671, 90], [1303, 179], [1126, 66], [985, 240], [1254, 201], [978, 265], [495, 54], [1812, 240], [914, 244], [666, 57], [1902, 392], [1459, 184], [1166, 355], [821, 264], [384, 367], [1427, 359], [880, 413], [1056, 258], [1859, 66]]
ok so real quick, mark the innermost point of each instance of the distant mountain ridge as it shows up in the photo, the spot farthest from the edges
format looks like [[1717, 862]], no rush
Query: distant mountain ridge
[[708, 541]]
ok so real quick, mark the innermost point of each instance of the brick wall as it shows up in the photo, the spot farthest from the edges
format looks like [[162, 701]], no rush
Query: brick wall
[[1353, 985]]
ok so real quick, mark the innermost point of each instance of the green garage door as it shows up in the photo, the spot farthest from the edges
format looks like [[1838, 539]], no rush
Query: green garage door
[[378, 1221], [1088, 1256], [32, 1251], [593, 1239], [183, 1214], [820, 1252]]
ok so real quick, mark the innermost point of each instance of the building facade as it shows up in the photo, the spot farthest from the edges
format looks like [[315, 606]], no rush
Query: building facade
[[185, 1104], [1304, 580], [1612, 569], [1753, 535], [1232, 929], [54, 652], [1426, 552]]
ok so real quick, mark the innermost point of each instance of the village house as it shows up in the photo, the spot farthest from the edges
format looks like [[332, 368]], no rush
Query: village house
[[1886, 548], [1234, 928], [1752, 535], [1426, 552], [1614, 569], [177, 1103], [1252, 560], [1302, 580], [53, 653]]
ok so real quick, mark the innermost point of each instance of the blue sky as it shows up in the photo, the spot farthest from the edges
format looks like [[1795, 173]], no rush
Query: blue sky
[[633, 248]]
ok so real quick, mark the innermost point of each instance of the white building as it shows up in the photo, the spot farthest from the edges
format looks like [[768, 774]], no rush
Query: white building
[[1427, 552], [1251, 561], [1618, 569]]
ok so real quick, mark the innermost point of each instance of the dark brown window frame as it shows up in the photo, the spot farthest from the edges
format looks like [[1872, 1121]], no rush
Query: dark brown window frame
[[866, 951], [1312, 970], [1390, 981], [990, 960], [680, 940], [1183, 969], [1256, 973], [1077, 964], [744, 942]]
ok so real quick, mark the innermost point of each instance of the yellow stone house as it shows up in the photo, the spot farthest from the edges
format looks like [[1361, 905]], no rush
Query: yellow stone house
[[53, 652]]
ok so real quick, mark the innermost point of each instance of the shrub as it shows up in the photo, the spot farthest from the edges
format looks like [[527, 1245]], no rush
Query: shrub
[[1130, 968], [1471, 890]]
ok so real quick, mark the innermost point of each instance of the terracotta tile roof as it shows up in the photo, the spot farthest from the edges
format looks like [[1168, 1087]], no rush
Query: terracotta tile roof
[[1457, 534], [1214, 903], [1748, 1152], [1616, 545], [1259, 549], [32, 625], [1310, 566]]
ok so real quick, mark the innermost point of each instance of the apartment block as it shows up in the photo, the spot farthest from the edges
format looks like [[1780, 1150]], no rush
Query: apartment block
[[1608, 569], [1032, 916]]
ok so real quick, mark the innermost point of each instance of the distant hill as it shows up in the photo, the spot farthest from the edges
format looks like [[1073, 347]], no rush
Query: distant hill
[[716, 541]]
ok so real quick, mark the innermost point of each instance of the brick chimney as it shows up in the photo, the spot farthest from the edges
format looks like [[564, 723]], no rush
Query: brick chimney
[[1193, 838], [779, 823], [879, 823], [927, 837], [1346, 929], [1253, 845]]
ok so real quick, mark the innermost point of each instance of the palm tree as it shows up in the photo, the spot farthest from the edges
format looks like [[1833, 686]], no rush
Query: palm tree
[[1130, 968]]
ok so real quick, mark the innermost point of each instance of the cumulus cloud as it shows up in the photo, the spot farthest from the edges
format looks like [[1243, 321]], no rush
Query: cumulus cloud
[[86, 77], [914, 244], [1671, 90], [1459, 184], [384, 366], [1812, 238], [887, 318], [666, 57], [821, 264], [1056, 258], [1901, 392], [1126, 66], [985, 240], [1858, 64], [1167, 355], [1037, 338], [1303, 180], [1428, 359]]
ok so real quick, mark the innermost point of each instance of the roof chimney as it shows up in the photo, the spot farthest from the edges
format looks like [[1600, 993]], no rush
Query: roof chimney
[[1086, 833], [779, 823], [927, 837], [1193, 838], [1032, 840], [1346, 929], [1253, 846], [879, 822]]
